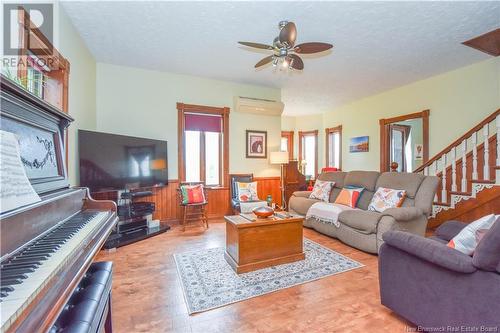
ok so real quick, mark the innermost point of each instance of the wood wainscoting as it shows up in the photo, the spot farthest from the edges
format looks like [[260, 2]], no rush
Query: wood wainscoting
[[219, 204], [269, 185]]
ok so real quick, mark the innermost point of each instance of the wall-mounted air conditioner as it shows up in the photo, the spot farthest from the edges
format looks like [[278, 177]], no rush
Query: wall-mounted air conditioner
[[258, 106]]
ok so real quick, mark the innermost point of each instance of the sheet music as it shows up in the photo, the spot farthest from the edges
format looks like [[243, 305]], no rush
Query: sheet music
[[15, 187]]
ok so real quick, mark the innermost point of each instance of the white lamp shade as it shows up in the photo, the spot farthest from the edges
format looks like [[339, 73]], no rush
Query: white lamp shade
[[279, 157]]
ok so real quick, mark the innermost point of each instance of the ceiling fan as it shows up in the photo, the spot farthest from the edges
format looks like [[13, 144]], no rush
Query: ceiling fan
[[284, 48]]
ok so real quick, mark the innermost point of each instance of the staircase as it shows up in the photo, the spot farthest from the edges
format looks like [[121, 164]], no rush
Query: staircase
[[469, 169]]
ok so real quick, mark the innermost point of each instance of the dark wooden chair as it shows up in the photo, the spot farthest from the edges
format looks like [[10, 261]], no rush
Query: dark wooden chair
[[198, 210], [233, 179]]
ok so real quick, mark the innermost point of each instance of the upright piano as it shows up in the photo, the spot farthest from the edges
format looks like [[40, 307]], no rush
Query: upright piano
[[293, 179], [46, 247]]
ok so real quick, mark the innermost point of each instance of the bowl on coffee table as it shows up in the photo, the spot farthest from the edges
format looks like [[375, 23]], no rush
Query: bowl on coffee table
[[263, 212]]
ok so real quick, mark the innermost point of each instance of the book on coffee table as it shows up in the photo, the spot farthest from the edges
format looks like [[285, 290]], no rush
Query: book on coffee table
[[280, 215]]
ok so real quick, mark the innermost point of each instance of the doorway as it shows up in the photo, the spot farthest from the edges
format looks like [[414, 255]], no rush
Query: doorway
[[404, 142]]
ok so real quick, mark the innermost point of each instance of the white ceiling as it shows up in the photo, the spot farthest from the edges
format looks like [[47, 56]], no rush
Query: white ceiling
[[377, 45]]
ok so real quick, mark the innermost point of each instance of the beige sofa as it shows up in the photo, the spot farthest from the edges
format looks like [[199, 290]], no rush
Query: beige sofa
[[361, 228]]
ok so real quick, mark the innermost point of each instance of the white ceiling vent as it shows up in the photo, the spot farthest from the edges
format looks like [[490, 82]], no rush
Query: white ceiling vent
[[259, 106]]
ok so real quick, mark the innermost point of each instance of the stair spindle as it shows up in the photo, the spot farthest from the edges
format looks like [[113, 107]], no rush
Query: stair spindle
[[426, 171], [454, 169], [434, 167], [464, 166], [486, 166], [444, 195], [498, 139], [474, 156]]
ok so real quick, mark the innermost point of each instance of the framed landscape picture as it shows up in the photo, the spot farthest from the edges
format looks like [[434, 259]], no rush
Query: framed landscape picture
[[256, 144], [358, 144]]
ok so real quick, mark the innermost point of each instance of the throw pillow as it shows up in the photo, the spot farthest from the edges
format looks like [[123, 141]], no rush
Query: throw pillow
[[321, 190], [349, 196], [246, 191], [385, 198], [192, 194], [467, 239]]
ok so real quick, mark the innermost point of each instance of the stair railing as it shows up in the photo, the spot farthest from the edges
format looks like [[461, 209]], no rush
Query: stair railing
[[444, 164]]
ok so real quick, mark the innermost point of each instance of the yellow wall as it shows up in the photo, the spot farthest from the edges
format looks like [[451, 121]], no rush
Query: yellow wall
[[82, 95], [457, 100], [139, 102]]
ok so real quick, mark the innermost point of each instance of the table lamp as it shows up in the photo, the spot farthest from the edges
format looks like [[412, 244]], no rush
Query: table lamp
[[281, 158]]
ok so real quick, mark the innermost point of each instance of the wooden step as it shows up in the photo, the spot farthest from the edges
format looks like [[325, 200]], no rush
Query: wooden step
[[465, 194], [482, 181], [445, 204], [486, 202]]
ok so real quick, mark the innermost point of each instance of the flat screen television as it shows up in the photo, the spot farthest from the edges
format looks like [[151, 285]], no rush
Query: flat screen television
[[118, 162]]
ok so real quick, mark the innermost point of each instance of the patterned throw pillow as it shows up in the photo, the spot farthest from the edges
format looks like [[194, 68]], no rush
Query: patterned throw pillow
[[247, 191], [386, 198], [467, 239], [349, 196], [192, 194], [321, 190]]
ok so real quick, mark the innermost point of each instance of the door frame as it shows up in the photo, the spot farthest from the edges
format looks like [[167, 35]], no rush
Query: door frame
[[405, 131], [385, 136]]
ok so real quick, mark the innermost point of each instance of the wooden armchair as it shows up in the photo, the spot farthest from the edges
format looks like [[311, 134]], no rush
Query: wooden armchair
[[198, 210], [233, 179]]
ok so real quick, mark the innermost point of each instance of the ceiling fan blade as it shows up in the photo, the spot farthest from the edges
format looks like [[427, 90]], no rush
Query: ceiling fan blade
[[314, 47], [264, 61], [257, 45], [288, 34], [296, 63]]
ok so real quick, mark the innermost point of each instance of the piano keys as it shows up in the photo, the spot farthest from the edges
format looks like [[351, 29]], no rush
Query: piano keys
[[23, 275]]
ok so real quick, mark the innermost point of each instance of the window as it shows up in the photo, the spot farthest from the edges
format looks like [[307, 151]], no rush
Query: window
[[202, 136], [287, 143], [308, 153], [334, 147]]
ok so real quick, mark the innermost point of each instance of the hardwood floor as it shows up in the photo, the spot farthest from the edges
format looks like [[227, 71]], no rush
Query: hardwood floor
[[147, 295]]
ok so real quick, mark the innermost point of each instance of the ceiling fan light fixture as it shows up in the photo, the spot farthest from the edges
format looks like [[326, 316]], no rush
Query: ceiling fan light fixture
[[287, 62], [285, 53]]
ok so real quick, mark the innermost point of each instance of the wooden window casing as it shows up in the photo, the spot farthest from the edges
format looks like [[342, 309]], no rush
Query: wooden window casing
[[289, 136], [302, 135], [328, 131], [223, 147]]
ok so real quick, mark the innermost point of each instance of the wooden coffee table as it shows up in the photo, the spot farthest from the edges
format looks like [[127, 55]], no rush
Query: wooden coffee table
[[252, 245]]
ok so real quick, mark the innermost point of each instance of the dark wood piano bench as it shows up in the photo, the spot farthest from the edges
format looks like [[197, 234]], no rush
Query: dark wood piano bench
[[89, 308]]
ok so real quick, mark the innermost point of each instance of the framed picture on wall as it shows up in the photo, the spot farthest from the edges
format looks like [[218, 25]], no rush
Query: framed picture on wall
[[419, 151], [256, 144], [358, 144]]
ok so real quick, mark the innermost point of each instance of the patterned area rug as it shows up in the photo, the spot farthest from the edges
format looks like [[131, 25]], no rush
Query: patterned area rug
[[209, 282]]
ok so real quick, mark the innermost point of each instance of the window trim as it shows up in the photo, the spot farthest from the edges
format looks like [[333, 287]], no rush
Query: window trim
[[303, 134], [328, 131], [289, 136], [181, 140]]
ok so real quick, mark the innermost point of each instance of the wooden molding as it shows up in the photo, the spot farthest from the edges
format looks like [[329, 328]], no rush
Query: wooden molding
[[289, 135], [384, 136], [488, 43], [337, 129], [181, 140], [309, 133]]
